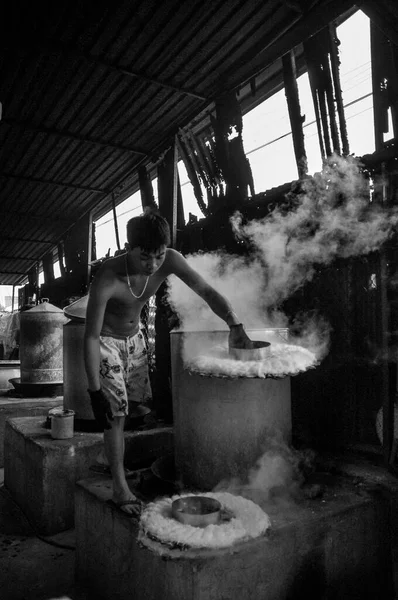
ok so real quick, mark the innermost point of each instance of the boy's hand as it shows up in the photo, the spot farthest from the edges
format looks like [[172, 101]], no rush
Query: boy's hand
[[101, 408], [238, 338]]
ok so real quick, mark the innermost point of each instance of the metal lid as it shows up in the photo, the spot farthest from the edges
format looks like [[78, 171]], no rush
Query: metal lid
[[59, 411], [44, 307], [77, 310]]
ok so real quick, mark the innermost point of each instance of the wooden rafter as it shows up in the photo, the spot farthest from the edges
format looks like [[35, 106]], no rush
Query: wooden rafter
[[56, 183], [9, 238], [69, 50], [28, 258], [71, 136], [32, 215]]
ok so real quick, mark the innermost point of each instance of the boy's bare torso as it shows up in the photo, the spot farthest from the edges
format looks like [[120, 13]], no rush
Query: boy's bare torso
[[122, 312]]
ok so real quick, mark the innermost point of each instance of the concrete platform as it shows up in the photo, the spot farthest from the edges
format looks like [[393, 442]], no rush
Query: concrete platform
[[334, 547], [23, 407], [40, 473]]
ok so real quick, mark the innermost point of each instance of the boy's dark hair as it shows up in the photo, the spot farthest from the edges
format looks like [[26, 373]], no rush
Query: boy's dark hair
[[148, 231]]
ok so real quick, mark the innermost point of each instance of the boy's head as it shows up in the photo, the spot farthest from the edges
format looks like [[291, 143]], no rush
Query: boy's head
[[150, 231]]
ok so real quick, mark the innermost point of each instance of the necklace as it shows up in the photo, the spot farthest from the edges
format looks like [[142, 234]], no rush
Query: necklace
[[129, 284]]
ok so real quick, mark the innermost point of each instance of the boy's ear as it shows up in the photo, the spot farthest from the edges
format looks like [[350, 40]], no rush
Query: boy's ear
[[127, 246]]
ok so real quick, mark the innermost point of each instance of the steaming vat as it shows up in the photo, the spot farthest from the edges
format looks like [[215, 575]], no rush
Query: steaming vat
[[222, 425]]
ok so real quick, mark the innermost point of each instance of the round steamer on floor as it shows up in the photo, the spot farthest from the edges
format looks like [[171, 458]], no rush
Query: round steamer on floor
[[246, 521], [198, 511]]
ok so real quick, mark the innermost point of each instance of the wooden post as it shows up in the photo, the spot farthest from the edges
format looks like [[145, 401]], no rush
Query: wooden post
[[380, 109], [146, 190], [293, 104], [115, 221], [89, 249], [168, 206], [168, 190], [174, 208], [334, 61]]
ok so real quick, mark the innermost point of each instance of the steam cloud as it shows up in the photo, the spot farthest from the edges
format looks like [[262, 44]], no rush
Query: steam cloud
[[277, 475], [332, 217]]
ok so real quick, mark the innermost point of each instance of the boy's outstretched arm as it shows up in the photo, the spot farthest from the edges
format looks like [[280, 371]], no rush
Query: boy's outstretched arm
[[216, 301]]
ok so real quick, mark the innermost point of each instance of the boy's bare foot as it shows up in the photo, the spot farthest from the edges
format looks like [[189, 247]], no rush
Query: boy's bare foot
[[131, 506]]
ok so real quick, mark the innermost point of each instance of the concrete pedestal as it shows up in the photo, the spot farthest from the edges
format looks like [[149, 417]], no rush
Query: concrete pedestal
[[337, 547], [40, 473], [23, 407]]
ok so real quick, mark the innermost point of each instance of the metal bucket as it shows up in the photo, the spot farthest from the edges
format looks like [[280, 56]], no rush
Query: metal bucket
[[61, 423], [41, 348], [222, 426]]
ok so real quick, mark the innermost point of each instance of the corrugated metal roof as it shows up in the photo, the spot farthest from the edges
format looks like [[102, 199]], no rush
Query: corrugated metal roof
[[90, 91]]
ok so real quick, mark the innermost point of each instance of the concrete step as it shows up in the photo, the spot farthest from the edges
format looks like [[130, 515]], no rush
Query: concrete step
[[40, 473]]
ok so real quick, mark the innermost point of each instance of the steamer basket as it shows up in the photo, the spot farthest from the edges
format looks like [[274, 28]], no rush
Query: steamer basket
[[198, 511], [260, 351]]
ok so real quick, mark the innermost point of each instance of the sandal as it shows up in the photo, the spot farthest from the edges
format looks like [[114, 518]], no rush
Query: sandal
[[105, 470], [132, 502]]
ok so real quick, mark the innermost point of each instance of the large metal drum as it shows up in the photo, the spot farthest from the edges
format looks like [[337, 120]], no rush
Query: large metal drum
[[76, 397], [221, 425], [41, 347]]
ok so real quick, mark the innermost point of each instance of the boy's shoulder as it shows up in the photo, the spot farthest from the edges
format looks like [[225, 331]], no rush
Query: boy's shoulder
[[112, 268], [172, 255], [172, 258]]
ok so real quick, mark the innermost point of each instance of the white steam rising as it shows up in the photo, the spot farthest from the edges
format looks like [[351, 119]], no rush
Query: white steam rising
[[332, 217], [277, 475]]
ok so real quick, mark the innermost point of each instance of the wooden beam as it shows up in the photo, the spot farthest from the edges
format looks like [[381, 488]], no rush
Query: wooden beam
[[284, 40], [377, 14], [9, 238], [70, 50], [71, 136], [56, 183], [8, 257], [32, 215]]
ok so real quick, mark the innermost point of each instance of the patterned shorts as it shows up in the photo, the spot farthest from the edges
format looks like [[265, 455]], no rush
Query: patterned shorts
[[124, 372]]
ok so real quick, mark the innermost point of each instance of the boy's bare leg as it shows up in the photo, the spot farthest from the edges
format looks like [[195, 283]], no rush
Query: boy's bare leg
[[114, 450]]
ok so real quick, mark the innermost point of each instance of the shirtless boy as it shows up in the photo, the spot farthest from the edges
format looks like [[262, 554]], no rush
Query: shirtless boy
[[114, 349]]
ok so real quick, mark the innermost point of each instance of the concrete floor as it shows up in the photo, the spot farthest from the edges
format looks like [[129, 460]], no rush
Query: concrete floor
[[33, 568]]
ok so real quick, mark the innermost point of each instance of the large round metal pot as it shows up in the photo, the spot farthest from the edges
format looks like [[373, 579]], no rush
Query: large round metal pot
[[75, 379], [41, 346]]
